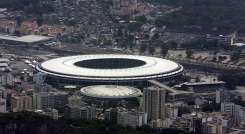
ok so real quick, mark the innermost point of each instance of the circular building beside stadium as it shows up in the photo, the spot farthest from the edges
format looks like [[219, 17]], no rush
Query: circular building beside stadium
[[104, 69], [111, 95]]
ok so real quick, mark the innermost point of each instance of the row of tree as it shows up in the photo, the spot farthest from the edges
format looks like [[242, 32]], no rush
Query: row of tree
[[33, 123], [233, 78]]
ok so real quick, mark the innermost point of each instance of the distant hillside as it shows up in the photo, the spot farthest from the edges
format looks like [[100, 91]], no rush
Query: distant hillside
[[30, 6], [205, 15]]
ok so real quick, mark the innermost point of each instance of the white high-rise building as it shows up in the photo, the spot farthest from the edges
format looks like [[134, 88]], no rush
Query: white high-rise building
[[131, 118], [237, 111], [154, 103], [3, 105], [21, 103], [56, 100], [86, 112], [171, 111], [222, 95], [3, 92]]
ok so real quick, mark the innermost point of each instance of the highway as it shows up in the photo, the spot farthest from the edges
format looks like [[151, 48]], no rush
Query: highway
[[157, 83]]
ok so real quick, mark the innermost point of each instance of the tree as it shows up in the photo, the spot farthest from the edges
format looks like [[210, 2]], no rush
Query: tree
[[107, 42], [70, 22], [155, 37], [164, 50], [210, 107], [221, 58], [197, 79], [235, 55], [40, 20], [214, 59], [34, 123], [19, 20], [119, 32], [141, 19], [233, 78], [17, 33], [196, 15], [173, 45], [143, 48], [151, 50], [134, 26], [239, 101], [189, 53], [183, 110], [169, 2]]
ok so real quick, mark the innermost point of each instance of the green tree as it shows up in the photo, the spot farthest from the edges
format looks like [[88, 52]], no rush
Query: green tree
[[40, 20], [189, 53], [141, 19], [134, 26], [233, 78], [210, 107], [143, 48], [19, 20], [155, 37], [107, 42], [164, 50], [235, 55], [151, 50], [173, 45]]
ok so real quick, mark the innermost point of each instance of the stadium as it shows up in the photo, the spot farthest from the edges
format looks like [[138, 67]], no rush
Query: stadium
[[107, 69], [110, 95]]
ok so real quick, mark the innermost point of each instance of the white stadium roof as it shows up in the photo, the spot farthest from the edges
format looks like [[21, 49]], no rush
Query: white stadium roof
[[25, 39], [110, 91], [153, 68]]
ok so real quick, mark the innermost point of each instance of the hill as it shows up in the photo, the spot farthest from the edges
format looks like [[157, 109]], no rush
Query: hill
[[221, 16]]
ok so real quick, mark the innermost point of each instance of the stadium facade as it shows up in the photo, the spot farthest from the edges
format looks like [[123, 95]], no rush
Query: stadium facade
[[108, 69]]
